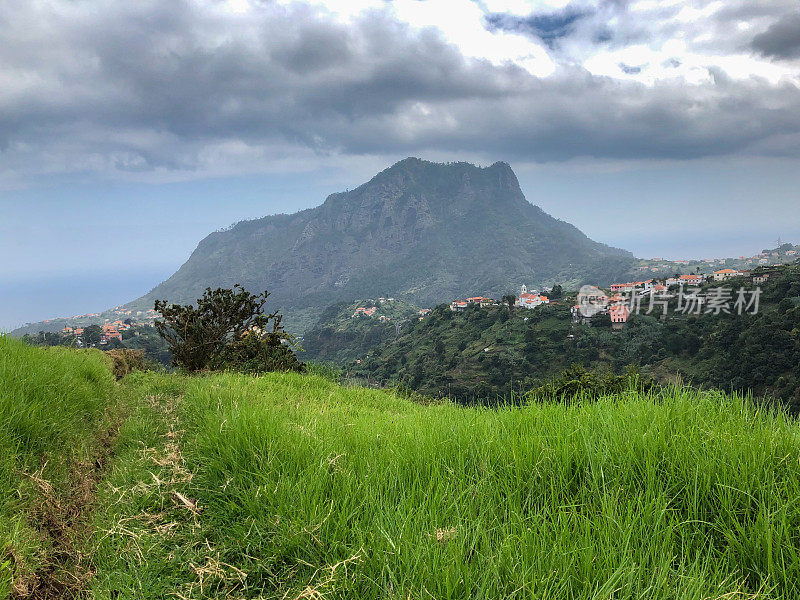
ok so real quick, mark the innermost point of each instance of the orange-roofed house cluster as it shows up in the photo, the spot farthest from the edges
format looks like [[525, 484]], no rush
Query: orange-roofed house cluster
[[526, 299], [618, 307], [531, 299], [371, 310], [461, 305], [111, 330], [365, 312]]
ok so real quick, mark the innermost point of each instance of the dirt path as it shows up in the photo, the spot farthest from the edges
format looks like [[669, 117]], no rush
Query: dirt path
[[63, 519]]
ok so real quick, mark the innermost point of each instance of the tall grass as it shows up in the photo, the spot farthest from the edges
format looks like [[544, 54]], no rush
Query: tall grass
[[51, 400], [317, 491]]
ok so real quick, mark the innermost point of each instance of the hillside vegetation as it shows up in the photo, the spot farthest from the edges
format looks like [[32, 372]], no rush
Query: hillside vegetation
[[340, 337], [491, 352], [289, 485]]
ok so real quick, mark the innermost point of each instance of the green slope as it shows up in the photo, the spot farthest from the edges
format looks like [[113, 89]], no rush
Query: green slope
[[53, 408], [291, 486]]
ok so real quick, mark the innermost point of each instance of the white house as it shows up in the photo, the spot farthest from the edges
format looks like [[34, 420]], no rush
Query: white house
[[725, 274], [532, 300], [458, 306], [692, 279]]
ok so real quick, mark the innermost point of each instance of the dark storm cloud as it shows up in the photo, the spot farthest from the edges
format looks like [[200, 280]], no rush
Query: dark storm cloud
[[782, 39], [152, 85]]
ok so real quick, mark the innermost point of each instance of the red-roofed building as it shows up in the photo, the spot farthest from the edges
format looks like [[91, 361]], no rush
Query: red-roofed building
[[459, 305], [112, 335], [619, 314], [532, 300], [692, 279]]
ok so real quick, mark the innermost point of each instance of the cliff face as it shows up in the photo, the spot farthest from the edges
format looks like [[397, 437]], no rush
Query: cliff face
[[423, 231]]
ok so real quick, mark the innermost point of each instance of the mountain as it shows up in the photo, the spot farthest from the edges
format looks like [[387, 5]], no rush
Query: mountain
[[421, 231]]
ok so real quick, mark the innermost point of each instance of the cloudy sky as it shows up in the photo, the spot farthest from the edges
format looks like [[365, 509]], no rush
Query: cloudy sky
[[129, 130]]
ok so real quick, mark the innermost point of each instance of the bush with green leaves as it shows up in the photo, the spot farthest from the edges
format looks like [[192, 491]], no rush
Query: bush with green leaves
[[577, 383], [228, 329]]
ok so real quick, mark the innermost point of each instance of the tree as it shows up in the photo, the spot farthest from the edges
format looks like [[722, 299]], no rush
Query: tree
[[510, 299], [92, 335], [228, 329], [600, 320], [557, 292], [49, 339]]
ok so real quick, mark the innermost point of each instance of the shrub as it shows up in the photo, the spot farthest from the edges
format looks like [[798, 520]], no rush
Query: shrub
[[125, 361], [228, 329], [254, 352], [577, 383]]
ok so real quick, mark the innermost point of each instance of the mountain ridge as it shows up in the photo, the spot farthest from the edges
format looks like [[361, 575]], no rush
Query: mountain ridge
[[419, 230]]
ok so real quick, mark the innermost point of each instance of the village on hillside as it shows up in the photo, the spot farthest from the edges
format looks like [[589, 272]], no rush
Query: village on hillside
[[625, 297], [371, 308], [622, 297], [111, 330], [590, 300]]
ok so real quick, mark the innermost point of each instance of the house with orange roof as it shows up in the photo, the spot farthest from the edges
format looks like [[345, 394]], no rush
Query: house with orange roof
[[532, 300], [111, 335], [459, 305], [725, 274], [698, 279], [482, 300]]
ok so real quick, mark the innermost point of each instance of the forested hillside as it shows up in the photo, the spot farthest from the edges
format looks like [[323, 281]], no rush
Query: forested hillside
[[345, 332], [490, 352]]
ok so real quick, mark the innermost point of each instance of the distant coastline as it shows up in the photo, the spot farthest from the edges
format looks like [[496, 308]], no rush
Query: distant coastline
[[29, 299]]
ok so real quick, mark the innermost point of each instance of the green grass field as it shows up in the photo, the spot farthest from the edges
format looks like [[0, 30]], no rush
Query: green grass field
[[53, 402], [291, 486]]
